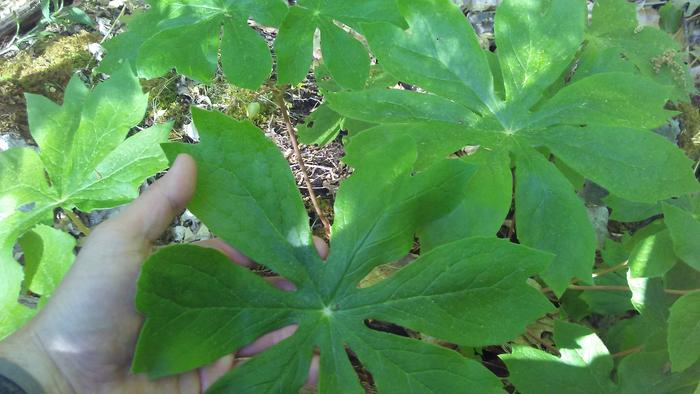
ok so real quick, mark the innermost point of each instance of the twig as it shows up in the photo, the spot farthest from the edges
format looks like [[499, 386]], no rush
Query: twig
[[608, 270], [600, 288], [297, 152], [619, 288], [77, 222], [628, 351], [114, 25]]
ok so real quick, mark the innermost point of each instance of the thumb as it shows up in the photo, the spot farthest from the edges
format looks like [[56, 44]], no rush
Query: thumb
[[150, 214]]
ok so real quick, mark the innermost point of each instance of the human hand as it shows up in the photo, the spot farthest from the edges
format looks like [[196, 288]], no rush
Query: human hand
[[84, 339]]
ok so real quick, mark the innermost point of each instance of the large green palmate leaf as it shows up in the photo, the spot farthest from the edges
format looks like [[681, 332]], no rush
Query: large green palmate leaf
[[597, 124], [200, 306], [84, 161], [188, 35], [346, 58]]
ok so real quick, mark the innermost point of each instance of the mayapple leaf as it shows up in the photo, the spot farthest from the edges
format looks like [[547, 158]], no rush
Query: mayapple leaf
[[684, 332], [614, 39], [531, 56], [484, 203], [652, 255], [187, 35], [200, 306], [595, 151], [550, 216], [647, 372], [595, 124], [48, 254], [684, 228], [84, 160], [345, 57], [321, 127], [584, 366], [420, 57]]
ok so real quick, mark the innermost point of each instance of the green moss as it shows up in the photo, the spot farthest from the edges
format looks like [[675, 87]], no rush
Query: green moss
[[236, 100], [44, 69], [164, 104]]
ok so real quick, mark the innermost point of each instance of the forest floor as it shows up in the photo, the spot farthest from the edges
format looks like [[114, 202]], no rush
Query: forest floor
[[46, 59]]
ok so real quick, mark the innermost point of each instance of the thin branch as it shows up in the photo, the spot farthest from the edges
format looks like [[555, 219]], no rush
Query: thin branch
[[297, 152], [628, 351], [599, 288], [77, 222], [680, 292], [608, 270], [619, 288], [114, 25]]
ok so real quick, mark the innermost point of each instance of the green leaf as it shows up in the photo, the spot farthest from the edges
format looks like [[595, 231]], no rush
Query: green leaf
[[671, 18], [48, 254], [652, 255], [425, 54], [200, 306], [584, 367], [84, 160], [76, 15], [191, 49], [608, 303], [647, 171], [549, 216], [405, 365], [685, 232], [435, 140], [188, 36], [242, 47], [611, 99], [649, 299], [485, 202], [274, 212], [464, 310], [537, 41], [614, 34], [400, 106], [440, 55], [629, 211], [25, 200], [345, 57], [647, 372], [321, 127], [294, 46], [684, 332], [216, 295]]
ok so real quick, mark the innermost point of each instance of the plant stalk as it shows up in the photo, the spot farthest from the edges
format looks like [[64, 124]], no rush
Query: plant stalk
[[620, 288], [628, 351], [297, 152], [77, 222]]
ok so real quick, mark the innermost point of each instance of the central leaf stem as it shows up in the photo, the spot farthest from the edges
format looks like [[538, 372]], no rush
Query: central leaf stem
[[297, 152]]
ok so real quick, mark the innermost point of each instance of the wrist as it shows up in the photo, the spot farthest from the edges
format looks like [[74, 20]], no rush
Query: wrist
[[25, 362]]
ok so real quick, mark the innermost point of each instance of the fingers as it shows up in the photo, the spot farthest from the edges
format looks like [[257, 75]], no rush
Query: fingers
[[211, 373], [267, 340], [151, 214], [233, 254], [321, 247]]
